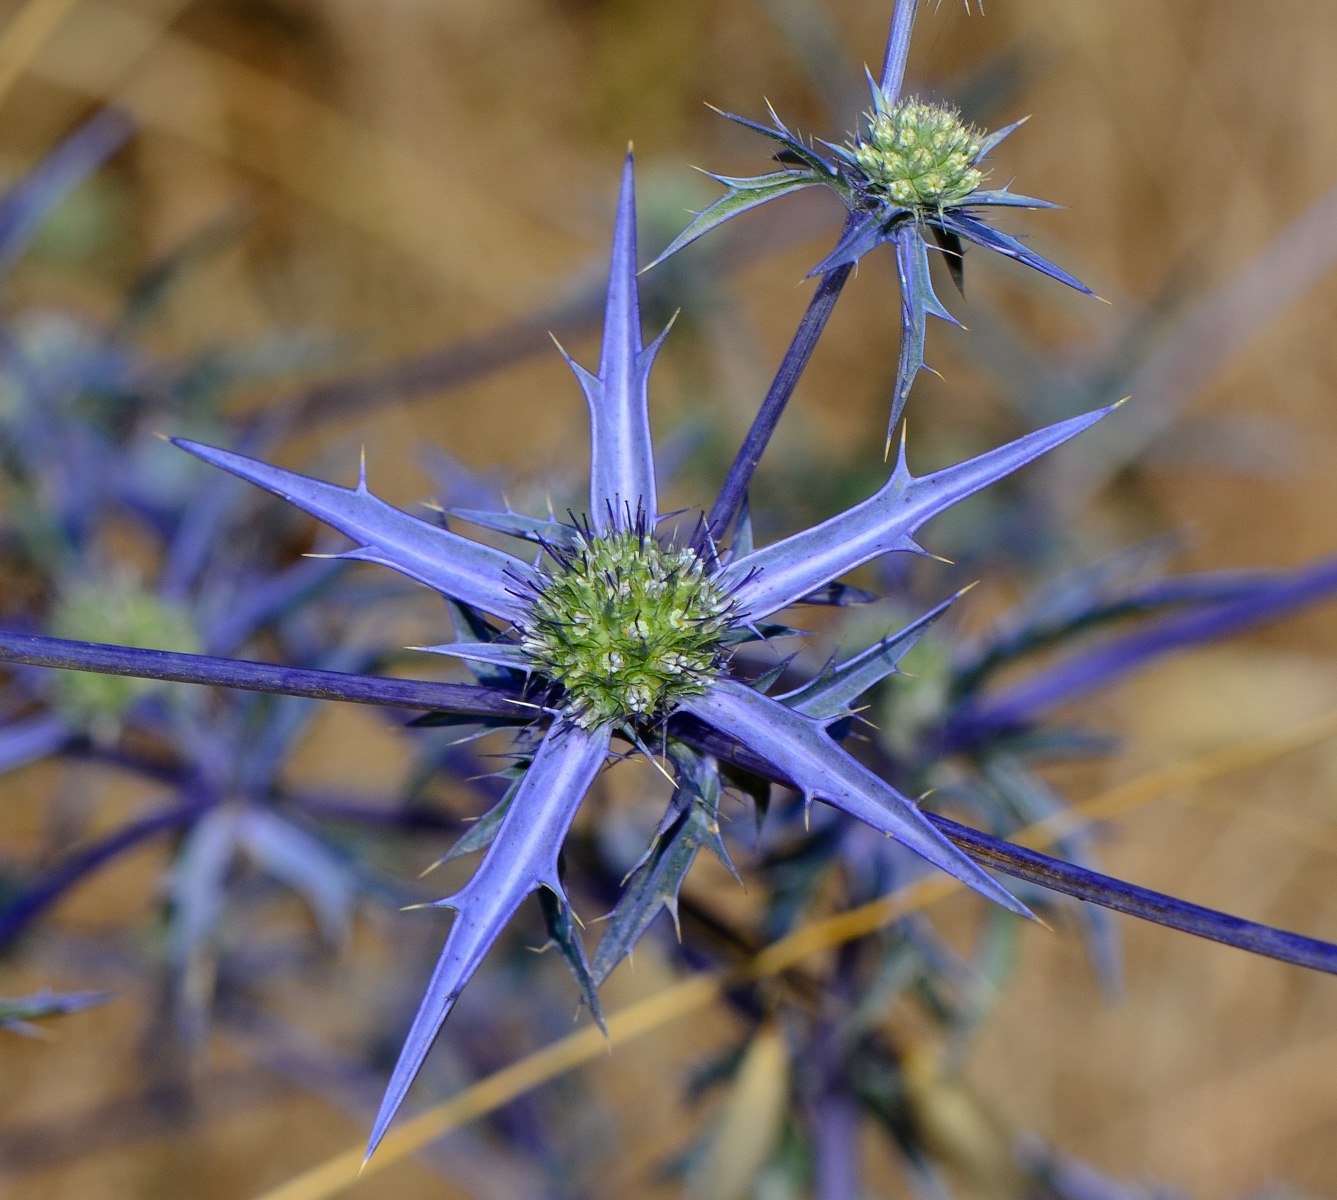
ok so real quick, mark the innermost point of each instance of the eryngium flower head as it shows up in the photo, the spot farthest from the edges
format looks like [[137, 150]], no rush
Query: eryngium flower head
[[625, 625], [580, 629], [912, 177], [919, 155], [119, 611]]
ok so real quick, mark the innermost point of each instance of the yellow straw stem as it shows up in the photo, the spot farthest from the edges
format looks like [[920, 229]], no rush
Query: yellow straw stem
[[1191, 772], [25, 36], [500, 1088]]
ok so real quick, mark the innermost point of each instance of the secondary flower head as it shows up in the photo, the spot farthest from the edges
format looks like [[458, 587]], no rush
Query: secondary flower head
[[121, 611], [914, 175], [630, 633], [918, 156]]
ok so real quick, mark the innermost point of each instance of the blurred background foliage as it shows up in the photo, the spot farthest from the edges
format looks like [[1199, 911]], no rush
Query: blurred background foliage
[[343, 214]]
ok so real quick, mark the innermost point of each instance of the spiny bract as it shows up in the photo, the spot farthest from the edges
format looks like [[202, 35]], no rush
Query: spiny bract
[[920, 155], [626, 626]]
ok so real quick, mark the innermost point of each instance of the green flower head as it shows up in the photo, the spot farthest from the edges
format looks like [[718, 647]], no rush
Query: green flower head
[[920, 155], [626, 626], [118, 611]]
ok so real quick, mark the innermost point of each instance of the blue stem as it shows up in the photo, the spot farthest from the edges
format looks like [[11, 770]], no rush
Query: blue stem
[[36, 899], [1059, 876], [782, 388], [898, 49], [992, 852], [463, 699]]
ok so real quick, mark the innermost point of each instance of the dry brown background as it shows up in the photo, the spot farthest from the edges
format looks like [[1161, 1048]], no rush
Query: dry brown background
[[414, 171]]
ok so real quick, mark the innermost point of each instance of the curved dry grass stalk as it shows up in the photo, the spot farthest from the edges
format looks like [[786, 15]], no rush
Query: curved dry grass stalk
[[25, 35]]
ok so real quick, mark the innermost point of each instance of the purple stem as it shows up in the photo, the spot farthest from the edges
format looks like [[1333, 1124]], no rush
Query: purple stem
[[1059, 876], [34, 900], [464, 699], [782, 388], [1084, 673], [999, 855], [898, 49], [836, 1152]]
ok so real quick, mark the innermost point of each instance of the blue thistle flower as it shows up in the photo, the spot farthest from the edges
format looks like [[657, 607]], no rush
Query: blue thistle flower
[[915, 171], [626, 629]]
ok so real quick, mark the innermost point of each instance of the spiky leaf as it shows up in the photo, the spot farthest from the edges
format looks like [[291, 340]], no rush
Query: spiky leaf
[[993, 239], [777, 575], [565, 936], [622, 463], [918, 303], [497, 654], [820, 769], [693, 822], [739, 199], [862, 233], [480, 834], [531, 529], [829, 696], [522, 858], [455, 566]]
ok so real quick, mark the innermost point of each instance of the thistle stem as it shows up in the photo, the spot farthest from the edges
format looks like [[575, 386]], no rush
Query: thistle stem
[[36, 899], [1059, 876], [461, 699], [1051, 873], [782, 387], [898, 49]]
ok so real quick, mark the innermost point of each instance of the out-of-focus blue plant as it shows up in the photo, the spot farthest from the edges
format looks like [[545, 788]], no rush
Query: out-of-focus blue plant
[[221, 754], [78, 457], [20, 1014], [942, 728]]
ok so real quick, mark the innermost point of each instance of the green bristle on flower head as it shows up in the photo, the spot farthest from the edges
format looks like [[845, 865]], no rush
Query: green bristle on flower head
[[117, 611], [626, 626], [920, 155]]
